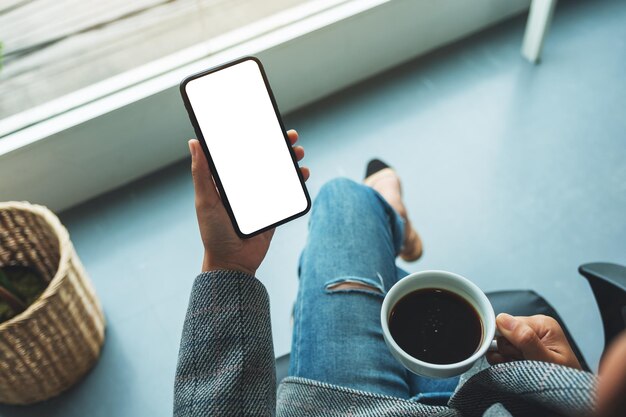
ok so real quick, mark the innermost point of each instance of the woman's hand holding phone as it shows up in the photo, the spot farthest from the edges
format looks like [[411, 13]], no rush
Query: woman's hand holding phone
[[223, 249]]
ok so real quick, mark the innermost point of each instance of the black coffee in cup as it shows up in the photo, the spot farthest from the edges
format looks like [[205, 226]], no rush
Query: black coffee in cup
[[436, 326]]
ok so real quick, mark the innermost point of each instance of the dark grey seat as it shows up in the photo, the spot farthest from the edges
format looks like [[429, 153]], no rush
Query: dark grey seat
[[608, 283]]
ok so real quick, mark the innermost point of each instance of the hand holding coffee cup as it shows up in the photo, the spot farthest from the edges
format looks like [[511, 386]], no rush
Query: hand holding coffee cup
[[538, 338], [437, 324]]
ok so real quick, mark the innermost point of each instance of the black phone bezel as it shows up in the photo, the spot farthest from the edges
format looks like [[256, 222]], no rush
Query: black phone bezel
[[216, 177]]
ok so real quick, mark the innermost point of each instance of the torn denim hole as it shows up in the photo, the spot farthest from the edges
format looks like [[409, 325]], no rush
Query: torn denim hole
[[355, 284]]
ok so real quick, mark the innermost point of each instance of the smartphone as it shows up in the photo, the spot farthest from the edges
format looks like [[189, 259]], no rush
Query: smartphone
[[236, 119]]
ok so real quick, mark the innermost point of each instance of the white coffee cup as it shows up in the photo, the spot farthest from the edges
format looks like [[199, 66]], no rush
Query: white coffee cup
[[457, 285]]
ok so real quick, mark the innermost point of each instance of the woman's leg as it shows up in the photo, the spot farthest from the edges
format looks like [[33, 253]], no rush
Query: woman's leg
[[346, 268]]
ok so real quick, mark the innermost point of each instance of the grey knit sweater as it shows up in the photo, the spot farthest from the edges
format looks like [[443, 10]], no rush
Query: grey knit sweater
[[226, 368]]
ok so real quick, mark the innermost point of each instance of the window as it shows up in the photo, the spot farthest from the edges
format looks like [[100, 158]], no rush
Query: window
[[55, 47]]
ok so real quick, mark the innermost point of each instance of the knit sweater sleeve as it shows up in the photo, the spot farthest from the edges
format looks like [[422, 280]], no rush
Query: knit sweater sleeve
[[226, 360]]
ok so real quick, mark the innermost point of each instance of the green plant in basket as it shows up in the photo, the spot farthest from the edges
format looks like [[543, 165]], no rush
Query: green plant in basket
[[20, 286]]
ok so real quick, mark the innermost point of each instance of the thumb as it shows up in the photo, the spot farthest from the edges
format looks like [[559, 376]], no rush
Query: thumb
[[206, 194], [522, 336]]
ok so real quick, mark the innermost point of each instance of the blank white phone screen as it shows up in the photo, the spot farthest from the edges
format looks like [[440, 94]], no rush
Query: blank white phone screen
[[247, 145]]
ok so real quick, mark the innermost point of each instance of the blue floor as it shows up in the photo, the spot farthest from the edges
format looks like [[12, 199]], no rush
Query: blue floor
[[514, 174]]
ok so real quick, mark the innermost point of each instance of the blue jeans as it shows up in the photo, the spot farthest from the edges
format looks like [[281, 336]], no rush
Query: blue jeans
[[354, 236]]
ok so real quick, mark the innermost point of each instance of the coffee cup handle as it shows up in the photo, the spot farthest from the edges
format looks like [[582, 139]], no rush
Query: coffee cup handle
[[493, 346]]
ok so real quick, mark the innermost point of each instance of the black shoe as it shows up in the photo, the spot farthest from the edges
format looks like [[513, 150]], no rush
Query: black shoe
[[374, 166]]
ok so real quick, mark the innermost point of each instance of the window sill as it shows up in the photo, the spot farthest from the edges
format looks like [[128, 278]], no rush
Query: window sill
[[94, 140]]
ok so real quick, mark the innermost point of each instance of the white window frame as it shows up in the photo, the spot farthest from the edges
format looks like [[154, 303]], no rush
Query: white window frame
[[98, 138]]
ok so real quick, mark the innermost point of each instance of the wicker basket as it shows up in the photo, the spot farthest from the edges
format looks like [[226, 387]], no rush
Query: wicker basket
[[54, 342]]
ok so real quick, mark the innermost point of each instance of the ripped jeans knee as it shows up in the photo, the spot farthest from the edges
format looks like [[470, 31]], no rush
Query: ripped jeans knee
[[355, 284]]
